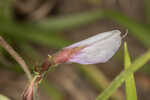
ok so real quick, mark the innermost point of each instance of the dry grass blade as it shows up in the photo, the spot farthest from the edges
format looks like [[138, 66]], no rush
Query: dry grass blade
[[16, 56]]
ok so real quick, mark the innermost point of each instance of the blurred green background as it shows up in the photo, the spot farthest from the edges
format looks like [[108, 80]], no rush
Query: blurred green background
[[36, 28]]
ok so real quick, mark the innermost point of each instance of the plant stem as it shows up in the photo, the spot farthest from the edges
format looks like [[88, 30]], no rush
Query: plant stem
[[16, 56]]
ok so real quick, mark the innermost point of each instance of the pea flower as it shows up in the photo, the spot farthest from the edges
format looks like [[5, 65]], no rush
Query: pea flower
[[97, 49]]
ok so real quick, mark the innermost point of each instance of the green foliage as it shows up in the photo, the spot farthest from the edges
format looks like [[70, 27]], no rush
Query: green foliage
[[130, 86], [137, 64]]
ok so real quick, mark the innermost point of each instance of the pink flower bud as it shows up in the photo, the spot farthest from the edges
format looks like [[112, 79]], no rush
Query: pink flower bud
[[28, 94], [29, 91], [97, 49]]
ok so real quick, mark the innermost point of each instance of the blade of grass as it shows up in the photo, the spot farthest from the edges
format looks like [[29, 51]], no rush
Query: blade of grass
[[57, 24], [130, 86], [68, 22], [31, 33], [54, 41], [41, 32], [97, 79], [137, 64], [16, 56]]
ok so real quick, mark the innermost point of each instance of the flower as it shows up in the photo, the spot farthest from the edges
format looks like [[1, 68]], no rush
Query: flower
[[97, 49]]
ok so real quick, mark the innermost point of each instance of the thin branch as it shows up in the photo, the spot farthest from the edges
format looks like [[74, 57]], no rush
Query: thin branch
[[16, 56]]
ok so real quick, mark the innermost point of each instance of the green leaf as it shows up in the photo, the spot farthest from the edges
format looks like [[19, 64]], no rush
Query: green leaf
[[137, 64], [130, 86], [97, 79]]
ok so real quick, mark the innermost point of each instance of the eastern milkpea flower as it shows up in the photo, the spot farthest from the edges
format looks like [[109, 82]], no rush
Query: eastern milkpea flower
[[97, 49]]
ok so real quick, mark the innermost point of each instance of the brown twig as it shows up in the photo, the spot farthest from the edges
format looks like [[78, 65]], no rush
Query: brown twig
[[16, 56]]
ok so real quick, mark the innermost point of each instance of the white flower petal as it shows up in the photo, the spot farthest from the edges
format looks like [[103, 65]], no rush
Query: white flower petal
[[98, 37], [100, 48]]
